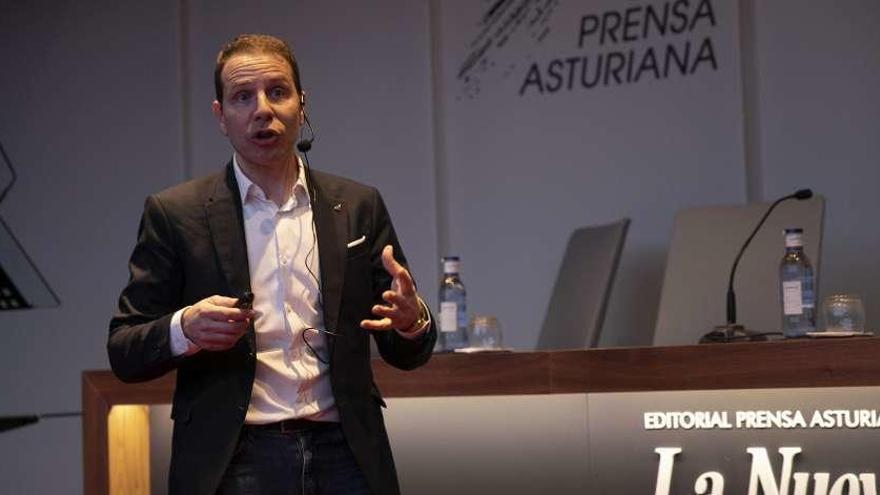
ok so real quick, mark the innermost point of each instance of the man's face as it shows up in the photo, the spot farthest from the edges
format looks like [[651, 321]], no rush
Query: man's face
[[261, 112]]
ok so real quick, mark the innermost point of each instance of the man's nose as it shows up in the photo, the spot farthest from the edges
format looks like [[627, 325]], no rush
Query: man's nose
[[263, 108]]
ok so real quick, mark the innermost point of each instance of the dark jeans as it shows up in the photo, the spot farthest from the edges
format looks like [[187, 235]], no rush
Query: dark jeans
[[312, 462]]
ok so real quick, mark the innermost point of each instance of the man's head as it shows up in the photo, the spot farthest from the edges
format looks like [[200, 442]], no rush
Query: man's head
[[260, 101], [254, 43]]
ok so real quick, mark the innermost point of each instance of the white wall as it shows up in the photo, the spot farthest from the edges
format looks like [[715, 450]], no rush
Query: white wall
[[97, 113]]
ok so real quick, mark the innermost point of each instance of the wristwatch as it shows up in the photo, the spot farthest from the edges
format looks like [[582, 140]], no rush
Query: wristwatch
[[421, 322]]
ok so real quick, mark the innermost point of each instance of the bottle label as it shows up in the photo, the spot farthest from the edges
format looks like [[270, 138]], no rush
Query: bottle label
[[448, 316], [792, 298]]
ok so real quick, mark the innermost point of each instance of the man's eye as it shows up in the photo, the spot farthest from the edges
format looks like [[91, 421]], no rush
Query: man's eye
[[278, 92], [241, 96]]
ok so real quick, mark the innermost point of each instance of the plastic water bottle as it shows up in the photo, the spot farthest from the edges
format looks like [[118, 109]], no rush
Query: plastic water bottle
[[796, 287], [453, 309]]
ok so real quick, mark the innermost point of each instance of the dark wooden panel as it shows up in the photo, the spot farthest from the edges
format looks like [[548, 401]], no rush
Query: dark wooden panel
[[96, 462], [114, 391], [468, 374], [802, 363]]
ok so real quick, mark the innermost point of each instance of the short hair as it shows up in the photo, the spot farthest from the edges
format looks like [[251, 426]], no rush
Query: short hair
[[254, 43]]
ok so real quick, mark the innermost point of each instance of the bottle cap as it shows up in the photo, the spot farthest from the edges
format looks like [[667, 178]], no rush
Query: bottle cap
[[451, 264], [794, 238]]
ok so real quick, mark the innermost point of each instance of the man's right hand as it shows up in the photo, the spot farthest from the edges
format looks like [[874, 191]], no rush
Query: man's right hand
[[214, 323]]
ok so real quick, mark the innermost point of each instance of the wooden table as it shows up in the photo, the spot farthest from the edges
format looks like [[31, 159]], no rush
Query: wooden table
[[789, 364]]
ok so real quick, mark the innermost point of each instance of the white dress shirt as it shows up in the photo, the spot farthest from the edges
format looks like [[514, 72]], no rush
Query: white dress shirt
[[282, 251]]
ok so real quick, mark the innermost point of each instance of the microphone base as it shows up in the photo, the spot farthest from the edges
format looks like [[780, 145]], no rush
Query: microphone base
[[723, 334]]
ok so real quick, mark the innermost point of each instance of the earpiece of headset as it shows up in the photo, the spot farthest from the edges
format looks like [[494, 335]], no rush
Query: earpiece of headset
[[305, 145]]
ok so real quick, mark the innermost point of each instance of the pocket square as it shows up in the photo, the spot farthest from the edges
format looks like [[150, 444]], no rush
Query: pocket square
[[360, 240]]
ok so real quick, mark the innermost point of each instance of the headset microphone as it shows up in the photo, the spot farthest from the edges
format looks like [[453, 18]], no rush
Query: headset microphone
[[305, 145]]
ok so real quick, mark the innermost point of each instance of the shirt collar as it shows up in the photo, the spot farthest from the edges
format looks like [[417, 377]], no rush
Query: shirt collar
[[248, 189]]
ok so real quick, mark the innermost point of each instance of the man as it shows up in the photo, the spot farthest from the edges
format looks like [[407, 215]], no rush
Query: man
[[274, 395]]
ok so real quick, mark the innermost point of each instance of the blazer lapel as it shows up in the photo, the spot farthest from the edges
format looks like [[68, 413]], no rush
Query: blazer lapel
[[226, 224], [331, 225]]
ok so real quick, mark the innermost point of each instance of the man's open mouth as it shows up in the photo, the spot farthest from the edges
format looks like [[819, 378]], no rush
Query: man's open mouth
[[265, 135]]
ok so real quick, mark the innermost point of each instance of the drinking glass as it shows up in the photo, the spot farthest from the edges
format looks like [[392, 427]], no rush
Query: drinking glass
[[844, 313], [484, 332]]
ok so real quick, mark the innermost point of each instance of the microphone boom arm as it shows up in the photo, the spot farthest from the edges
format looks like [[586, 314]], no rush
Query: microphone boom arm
[[731, 296]]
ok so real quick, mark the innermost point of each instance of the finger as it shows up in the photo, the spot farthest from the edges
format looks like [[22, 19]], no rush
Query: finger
[[391, 265], [220, 313], [218, 300], [382, 324], [214, 341], [405, 283], [399, 300], [221, 328], [386, 311]]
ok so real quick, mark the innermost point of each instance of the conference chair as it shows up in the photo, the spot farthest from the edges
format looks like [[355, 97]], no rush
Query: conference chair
[[705, 241], [577, 306]]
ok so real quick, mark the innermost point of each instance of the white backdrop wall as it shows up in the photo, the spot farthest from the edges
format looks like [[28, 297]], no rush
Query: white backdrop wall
[[529, 157], [108, 102]]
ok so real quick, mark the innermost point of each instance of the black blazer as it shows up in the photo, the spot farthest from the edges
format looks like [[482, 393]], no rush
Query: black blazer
[[191, 245]]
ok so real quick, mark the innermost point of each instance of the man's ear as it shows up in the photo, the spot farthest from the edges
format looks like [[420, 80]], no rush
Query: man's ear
[[217, 110]]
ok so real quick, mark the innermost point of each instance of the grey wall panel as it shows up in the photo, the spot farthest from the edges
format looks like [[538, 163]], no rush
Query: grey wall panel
[[91, 121], [819, 67]]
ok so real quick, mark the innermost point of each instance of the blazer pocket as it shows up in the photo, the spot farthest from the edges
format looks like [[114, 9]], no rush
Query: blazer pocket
[[357, 247], [357, 242]]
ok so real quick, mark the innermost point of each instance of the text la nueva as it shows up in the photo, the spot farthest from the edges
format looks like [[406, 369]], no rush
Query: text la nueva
[[762, 479]]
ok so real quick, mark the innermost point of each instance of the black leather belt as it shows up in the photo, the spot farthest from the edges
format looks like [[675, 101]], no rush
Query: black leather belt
[[291, 425]]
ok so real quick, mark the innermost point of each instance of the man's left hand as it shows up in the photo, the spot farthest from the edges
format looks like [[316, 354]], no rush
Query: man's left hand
[[403, 307]]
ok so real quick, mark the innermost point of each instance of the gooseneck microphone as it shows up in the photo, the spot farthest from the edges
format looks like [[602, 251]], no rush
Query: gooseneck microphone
[[732, 331]]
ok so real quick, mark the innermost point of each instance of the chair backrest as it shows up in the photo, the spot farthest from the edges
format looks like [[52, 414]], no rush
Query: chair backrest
[[577, 306], [705, 241]]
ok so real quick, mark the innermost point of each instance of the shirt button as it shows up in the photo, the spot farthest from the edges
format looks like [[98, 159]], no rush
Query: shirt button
[[284, 260]]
